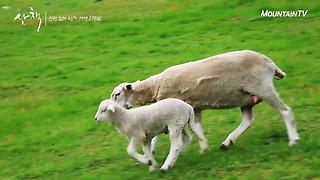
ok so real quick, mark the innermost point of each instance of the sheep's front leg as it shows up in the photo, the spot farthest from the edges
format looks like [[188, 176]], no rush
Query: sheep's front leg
[[203, 142], [132, 151], [175, 149], [247, 115], [148, 153]]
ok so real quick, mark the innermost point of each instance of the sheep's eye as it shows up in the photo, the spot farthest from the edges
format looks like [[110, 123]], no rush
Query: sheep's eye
[[117, 94], [104, 110]]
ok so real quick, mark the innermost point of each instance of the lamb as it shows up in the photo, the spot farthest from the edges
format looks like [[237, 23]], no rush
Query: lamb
[[235, 79], [141, 124]]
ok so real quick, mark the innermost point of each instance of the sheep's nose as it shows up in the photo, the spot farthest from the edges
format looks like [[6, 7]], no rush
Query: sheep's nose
[[95, 118]]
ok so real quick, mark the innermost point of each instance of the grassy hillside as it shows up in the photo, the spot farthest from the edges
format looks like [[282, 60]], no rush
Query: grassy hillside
[[52, 81]]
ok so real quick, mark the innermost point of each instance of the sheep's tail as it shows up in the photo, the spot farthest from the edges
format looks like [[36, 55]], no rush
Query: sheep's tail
[[279, 73]]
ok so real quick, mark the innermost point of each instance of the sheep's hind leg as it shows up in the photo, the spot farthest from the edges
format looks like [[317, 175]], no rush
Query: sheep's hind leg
[[147, 152], [132, 151], [175, 149], [270, 96], [247, 119], [186, 138]]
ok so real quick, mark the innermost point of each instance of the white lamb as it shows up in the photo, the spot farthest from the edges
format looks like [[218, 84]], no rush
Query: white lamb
[[141, 124]]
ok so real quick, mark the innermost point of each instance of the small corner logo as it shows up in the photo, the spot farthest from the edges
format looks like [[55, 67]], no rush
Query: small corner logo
[[284, 13], [31, 15], [26, 17]]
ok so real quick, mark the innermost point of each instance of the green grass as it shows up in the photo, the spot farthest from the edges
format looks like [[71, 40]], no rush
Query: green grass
[[51, 83]]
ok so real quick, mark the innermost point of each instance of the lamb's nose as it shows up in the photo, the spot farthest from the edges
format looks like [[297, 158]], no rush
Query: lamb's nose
[[95, 118]]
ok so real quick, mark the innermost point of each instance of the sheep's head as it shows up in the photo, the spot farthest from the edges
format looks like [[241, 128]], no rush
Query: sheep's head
[[123, 94], [105, 108]]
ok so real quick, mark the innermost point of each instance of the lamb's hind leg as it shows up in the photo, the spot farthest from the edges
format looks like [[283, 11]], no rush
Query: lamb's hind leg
[[270, 96], [247, 119], [175, 148]]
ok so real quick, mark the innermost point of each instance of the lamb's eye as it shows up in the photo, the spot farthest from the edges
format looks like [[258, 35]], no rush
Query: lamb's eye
[[117, 94], [104, 110]]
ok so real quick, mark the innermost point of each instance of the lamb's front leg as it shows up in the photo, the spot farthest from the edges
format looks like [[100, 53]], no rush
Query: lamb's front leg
[[132, 151], [148, 153]]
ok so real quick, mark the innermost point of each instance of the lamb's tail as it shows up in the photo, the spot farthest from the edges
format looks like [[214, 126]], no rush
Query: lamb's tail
[[191, 121]]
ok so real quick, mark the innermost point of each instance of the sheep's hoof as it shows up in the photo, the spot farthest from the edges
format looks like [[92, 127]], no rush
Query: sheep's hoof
[[293, 142], [224, 147], [204, 146], [163, 170], [202, 151]]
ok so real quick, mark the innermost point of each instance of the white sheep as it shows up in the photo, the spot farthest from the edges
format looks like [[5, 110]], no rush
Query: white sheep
[[235, 79], [141, 124]]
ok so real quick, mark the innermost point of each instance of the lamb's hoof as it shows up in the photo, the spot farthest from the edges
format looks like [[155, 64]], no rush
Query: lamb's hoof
[[152, 168]]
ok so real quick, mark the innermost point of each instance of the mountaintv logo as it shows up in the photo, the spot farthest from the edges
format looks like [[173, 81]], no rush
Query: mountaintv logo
[[284, 13]]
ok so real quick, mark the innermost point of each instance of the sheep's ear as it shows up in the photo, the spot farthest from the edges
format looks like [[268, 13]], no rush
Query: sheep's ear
[[128, 87], [111, 108]]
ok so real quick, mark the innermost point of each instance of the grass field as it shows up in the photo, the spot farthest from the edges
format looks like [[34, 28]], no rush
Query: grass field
[[52, 81]]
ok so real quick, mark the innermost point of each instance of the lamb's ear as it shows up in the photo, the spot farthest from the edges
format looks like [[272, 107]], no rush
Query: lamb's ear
[[128, 87], [111, 108]]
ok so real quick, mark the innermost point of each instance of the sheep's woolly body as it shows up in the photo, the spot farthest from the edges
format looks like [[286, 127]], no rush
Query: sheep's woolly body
[[222, 81]]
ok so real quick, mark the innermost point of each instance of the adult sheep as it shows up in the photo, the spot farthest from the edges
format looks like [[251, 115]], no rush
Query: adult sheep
[[234, 79]]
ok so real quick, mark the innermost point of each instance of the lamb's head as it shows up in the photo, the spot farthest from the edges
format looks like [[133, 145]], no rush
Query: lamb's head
[[105, 109], [123, 94]]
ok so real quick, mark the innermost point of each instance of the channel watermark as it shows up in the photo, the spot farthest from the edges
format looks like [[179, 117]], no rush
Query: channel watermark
[[283, 13], [32, 15], [29, 16]]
